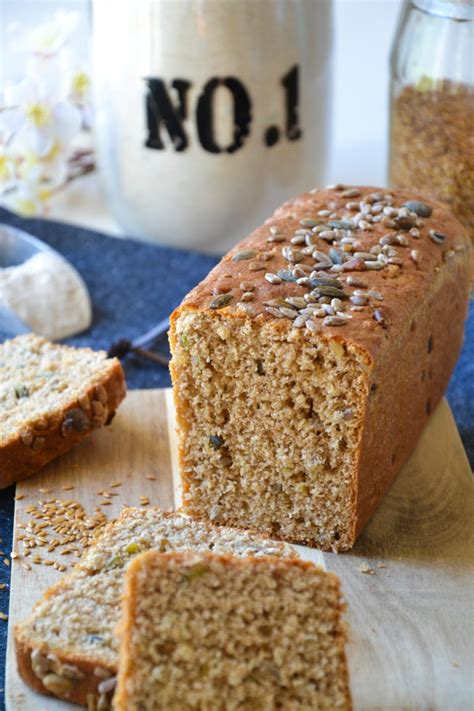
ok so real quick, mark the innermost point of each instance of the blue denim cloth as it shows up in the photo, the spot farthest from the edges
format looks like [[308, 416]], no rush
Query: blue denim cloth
[[133, 286]]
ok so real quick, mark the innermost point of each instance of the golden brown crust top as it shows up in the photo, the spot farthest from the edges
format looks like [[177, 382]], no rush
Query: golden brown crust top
[[349, 235]]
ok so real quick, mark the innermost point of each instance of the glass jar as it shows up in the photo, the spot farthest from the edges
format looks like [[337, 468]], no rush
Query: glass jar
[[209, 114], [432, 104]]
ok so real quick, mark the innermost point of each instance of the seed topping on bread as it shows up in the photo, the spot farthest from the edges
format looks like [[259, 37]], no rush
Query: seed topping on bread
[[325, 251]]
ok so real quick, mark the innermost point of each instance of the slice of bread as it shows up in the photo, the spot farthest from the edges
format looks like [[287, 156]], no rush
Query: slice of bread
[[51, 397], [226, 634], [68, 647]]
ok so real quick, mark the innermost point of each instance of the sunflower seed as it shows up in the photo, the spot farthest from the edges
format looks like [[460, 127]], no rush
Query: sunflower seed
[[300, 321], [415, 254], [327, 235], [275, 238], [248, 296], [289, 313], [311, 326], [356, 265], [359, 300], [243, 255], [256, 267], [356, 281], [298, 239], [364, 255], [340, 224], [308, 222], [273, 278], [322, 257], [297, 301], [334, 321], [292, 255], [350, 192], [286, 275], [274, 312], [375, 295], [336, 256]]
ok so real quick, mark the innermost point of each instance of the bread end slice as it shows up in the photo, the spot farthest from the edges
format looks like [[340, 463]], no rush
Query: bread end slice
[[51, 397], [207, 631]]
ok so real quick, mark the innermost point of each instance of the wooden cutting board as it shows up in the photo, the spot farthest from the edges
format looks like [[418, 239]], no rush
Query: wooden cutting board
[[411, 614]]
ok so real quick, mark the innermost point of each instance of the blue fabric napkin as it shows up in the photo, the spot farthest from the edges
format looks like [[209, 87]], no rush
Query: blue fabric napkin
[[133, 286]]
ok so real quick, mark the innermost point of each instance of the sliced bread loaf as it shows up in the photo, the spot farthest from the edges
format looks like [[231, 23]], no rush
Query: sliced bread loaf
[[68, 647], [226, 634], [307, 363], [51, 397]]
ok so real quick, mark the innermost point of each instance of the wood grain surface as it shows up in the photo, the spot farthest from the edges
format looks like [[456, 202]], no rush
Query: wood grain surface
[[409, 582]]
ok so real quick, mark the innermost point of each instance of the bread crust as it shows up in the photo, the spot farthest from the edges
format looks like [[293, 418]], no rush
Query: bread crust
[[84, 692], [143, 561], [19, 461], [409, 359]]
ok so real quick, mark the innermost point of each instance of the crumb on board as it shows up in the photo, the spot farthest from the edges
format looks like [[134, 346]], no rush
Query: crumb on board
[[364, 568]]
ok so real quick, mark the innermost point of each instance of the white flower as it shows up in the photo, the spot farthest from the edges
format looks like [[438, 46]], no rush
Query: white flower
[[7, 169], [38, 122], [41, 116], [50, 37], [29, 200]]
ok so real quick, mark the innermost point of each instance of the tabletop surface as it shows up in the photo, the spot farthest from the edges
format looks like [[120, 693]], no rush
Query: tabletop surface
[[135, 285]]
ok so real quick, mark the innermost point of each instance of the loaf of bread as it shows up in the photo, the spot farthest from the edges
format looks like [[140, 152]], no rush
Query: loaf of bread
[[68, 647], [51, 397], [222, 633], [307, 363]]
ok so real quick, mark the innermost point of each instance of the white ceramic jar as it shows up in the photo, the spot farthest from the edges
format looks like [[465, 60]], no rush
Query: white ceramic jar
[[209, 113]]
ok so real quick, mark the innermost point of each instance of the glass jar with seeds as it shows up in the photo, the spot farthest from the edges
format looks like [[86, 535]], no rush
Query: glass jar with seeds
[[432, 104]]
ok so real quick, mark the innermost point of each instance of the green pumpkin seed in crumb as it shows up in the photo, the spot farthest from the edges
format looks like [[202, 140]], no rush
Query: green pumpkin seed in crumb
[[196, 571], [132, 548], [184, 340]]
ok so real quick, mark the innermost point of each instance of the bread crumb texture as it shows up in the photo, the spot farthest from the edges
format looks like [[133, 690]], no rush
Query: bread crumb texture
[[77, 618], [221, 634], [272, 427], [39, 380]]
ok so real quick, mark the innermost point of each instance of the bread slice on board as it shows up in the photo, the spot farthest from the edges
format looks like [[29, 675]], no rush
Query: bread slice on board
[[51, 397], [68, 646], [219, 632]]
